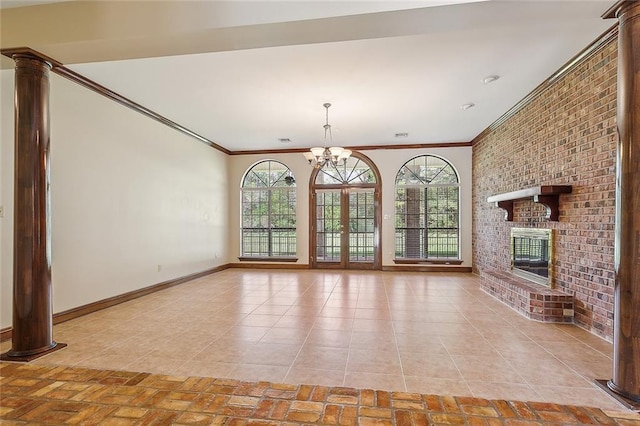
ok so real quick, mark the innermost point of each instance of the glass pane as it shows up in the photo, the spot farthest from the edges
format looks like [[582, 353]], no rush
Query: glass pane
[[269, 222], [442, 222], [353, 171], [328, 226], [268, 174], [426, 169], [361, 225], [427, 222]]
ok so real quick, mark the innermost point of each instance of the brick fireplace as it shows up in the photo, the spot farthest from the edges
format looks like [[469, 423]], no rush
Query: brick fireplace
[[531, 254], [564, 135], [527, 284]]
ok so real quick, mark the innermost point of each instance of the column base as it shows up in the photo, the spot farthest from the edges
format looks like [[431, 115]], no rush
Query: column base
[[8, 356], [628, 403]]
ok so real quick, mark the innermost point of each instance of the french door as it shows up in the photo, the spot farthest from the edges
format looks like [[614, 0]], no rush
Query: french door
[[345, 226]]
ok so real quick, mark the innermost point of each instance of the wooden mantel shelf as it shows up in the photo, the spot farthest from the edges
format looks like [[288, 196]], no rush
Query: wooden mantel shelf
[[548, 195]]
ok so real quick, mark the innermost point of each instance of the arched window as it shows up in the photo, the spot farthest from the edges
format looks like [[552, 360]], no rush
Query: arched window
[[427, 209], [268, 211]]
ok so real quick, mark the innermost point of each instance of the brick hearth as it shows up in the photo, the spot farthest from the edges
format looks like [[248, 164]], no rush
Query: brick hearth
[[534, 301]]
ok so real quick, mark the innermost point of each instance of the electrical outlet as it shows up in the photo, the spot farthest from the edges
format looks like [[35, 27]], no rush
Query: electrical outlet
[[159, 268]]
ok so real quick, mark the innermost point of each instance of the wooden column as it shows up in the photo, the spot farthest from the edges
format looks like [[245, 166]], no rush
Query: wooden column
[[626, 340], [32, 334]]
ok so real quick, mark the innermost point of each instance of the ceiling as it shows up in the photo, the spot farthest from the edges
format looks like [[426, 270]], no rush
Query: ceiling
[[245, 74]]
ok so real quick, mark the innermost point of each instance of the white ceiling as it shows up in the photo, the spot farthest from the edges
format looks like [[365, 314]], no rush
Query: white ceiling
[[262, 70]]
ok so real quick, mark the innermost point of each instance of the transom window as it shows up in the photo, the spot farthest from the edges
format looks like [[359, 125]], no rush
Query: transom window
[[353, 171], [268, 211], [427, 210]]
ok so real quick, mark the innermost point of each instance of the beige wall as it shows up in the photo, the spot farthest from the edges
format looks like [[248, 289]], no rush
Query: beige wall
[[133, 202], [388, 162]]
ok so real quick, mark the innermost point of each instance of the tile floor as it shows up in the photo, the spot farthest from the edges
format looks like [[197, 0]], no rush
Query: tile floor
[[433, 333]]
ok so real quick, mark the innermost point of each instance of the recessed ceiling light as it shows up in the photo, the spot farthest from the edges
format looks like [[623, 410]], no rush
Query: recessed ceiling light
[[490, 79], [402, 135], [467, 106], [284, 140]]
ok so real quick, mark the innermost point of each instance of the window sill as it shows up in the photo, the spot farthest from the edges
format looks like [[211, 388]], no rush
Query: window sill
[[428, 261], [267, 259]]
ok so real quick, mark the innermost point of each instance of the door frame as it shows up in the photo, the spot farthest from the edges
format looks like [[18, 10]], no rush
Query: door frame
[[344, 193]]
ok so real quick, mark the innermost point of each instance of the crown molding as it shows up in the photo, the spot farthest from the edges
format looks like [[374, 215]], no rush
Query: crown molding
[[358, 148], [58, 68], [601, 42]]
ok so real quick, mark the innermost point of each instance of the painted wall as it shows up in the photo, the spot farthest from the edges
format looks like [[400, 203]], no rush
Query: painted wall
[[388, 162], [134, 203]]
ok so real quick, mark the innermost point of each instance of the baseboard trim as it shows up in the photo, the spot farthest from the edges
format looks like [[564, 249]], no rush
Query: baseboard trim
[[248, 265], [6, 333], [427, 268]]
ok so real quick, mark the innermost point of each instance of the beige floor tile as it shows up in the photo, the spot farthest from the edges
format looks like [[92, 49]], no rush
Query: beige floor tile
[[437, 386], [313, 376], [426, 365], [257, 372], [151, 364], [520, 349], [248, 333], [547, 372], [508, 391], [390, 382], [224, 350], [271, 309], [374, 361], [373, 314], [486, 368], [331, 338], [586, 396], [289, 321], [271, 354], [322, 357], [477, 347], [257, 320], [338, 312], [418, 342], [286, 336], [373, 340], [593, 370], [374, 325], [206, 369], [300, 309], [328, 323], [570, 352]]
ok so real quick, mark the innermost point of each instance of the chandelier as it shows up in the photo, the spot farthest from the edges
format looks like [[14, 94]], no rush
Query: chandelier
[[319, 156]]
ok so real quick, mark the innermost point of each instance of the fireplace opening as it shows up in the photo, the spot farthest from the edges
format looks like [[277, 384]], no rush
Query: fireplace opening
[[531, 254]]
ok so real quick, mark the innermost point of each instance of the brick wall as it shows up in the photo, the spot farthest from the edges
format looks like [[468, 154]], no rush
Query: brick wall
[[566, 135]]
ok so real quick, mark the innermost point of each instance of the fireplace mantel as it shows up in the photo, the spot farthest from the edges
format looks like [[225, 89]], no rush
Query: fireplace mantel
[[548, 195]]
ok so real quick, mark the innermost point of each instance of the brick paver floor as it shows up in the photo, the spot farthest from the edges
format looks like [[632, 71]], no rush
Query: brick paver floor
[[39, 394]]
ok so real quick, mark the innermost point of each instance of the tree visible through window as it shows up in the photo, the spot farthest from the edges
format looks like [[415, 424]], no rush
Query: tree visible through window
[[427, 209], [268, 211]]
